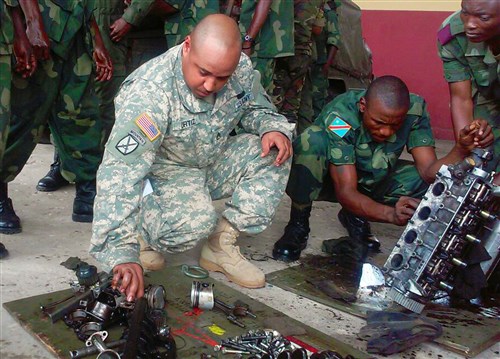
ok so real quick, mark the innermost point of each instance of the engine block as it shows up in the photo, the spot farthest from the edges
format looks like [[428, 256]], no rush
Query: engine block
[[457, 210]]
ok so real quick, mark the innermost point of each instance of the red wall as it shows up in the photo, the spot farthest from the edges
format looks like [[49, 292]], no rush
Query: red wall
[[403, 44]]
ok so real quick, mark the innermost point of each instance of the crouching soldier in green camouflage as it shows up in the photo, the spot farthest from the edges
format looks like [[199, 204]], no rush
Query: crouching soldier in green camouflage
[[469, 46], [170, 154], [355, 144]]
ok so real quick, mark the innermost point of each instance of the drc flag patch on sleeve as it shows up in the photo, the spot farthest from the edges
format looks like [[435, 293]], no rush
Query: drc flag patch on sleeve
[[339, 127], [146, 124]]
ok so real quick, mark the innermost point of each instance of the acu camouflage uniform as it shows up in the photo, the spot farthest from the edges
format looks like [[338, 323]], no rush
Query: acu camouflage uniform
[[6, 44], [180, 24], [61, 91], [464, 60], [339, 137], [274, 40], [170, 154], [290, 72], [315, 90]]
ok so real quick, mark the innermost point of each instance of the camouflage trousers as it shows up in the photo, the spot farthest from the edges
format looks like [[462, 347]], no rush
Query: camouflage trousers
[[289, 77], [310, 179], [491, 113], [5, 91], [179, 212], [61, 91]]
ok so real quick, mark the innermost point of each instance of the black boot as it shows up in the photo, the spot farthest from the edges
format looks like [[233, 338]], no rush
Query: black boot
[[3, 251], [358, 228], [53, 180], [83, 205], [294, 240], [9, 221]]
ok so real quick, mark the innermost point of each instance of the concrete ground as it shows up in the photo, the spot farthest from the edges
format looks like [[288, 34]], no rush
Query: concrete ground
[[50, 237]]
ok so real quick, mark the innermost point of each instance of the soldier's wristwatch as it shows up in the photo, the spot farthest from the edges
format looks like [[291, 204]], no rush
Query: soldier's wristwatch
[[248, 38]]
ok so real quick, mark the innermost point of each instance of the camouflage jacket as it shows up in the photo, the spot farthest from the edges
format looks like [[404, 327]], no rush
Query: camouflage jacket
[[306, 15], [464, 60], [6, 28], [351, 143], [63, 19], [180, 24], [162, 127], [275, 38]]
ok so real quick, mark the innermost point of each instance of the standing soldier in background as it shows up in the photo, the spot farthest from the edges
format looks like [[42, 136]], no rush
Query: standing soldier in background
[[62, 91], [267, 31], [291, 71], [326, 34], [13, 39], [469, 46]]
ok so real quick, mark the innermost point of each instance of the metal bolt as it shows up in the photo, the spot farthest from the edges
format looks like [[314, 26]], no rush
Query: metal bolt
[[230, 351]]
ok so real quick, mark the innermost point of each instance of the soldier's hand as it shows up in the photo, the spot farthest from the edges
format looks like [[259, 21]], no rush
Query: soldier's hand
[[404, 209], [39, 41], [128, 279], [25, 60], [119, 29], [104, 65], [477, 134], [281, 142]]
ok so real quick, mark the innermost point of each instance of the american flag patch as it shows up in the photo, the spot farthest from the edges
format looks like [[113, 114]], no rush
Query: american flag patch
[[146, 124]]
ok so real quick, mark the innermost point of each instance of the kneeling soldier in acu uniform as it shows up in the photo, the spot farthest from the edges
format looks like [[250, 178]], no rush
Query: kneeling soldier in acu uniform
[[355, 144], [170, 154]]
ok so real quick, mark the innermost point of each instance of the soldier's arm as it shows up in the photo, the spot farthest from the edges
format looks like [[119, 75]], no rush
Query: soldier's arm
[[333, 38], [104, 65], [25, 60], [137, 10], [345, 181], [127, 160], [258, 19], [35, 30], [461, 105]]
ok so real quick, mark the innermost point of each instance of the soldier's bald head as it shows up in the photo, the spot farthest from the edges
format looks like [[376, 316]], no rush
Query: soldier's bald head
[[217, 33], [211, 54], [391, 91]]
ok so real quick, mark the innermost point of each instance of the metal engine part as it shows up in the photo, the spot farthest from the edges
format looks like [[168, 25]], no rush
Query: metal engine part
[[460, 208]]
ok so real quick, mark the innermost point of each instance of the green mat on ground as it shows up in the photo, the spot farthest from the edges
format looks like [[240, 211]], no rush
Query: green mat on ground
[[194, 334]]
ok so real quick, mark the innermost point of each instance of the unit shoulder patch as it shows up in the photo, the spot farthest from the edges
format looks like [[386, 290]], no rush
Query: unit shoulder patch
[[127, 145], [339, 127], [147, 126], [445, 35]]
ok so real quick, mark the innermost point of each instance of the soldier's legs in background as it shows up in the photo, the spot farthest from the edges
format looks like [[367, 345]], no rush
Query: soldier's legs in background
[[179, 212], [255, 185], [319, 89], [106, 92], [308, 176], [305, 113], [289, 78]]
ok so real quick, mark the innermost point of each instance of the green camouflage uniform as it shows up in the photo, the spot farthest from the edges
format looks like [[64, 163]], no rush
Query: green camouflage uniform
[[274, 40], [60, 91], [6, 42], [170, 154], [315, 88], [381, 175], [180, 24], [106, 13], [290, 72], [464, 60]]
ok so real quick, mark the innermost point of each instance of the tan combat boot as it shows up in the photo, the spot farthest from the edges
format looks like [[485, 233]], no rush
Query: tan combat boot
[[220, 254], [150, 259]]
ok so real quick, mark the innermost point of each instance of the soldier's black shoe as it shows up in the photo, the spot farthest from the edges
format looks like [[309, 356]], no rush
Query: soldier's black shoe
[[9, 221], [358, 228], [294, 240], [3, 251], [291, 244], [53, 180], [83, 205]]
